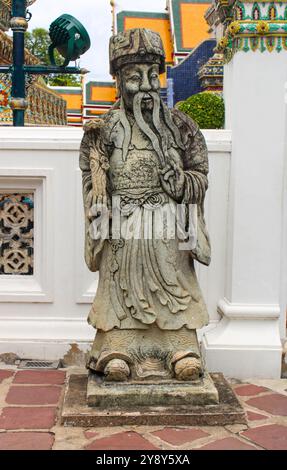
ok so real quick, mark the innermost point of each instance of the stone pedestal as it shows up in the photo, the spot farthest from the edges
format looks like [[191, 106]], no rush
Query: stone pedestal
[[179, 404], [131, 394]]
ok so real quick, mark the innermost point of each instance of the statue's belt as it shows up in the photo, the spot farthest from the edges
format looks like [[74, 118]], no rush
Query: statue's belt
[[151, 199]]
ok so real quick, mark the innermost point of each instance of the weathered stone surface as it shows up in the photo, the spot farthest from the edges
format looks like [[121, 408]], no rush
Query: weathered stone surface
[[76, 412], [5, 374], [144, 169], [69, 438], [9, 358], [150, 393], [74, 357], [236, 428]]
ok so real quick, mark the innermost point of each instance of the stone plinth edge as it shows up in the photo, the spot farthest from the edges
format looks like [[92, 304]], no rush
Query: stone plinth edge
[[76, 411]]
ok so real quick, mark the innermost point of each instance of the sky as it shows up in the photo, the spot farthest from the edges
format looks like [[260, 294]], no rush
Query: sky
[[96, 16]]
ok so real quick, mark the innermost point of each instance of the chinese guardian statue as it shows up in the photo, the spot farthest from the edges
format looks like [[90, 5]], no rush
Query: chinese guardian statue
[[146, 161]]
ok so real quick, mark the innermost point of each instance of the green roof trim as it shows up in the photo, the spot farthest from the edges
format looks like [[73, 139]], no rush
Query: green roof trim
[[74, 111], [67, 91], [92, 112], [137, 14], [88, 90]]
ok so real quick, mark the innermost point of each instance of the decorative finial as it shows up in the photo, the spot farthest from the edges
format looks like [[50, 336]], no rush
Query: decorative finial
[[113, 5]]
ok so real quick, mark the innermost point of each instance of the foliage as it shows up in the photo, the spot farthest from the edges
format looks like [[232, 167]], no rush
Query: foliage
[[206, 108], [37, 42]]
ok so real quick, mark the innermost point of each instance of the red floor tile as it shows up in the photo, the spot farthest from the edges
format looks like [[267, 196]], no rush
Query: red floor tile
[[121, 441], [274, 404], [5, 374], [179, 436], [255, 416], [271, 437], [50, 377], [250, 390], [35, 395], [27, 418], [26, 440], [229, 443]]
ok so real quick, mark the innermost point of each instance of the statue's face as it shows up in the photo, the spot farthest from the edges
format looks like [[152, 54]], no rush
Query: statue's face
[[137, 78]]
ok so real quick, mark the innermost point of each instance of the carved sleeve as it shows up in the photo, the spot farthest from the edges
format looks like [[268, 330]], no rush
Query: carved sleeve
[[93, 184], [195, 164], [195, 159], [85, 164], [196, 169]]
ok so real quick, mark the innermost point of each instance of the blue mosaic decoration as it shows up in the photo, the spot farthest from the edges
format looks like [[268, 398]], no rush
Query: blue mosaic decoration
[[185, 75]]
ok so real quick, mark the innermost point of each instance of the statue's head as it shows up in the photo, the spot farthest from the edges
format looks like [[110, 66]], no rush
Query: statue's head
[[137, 59]]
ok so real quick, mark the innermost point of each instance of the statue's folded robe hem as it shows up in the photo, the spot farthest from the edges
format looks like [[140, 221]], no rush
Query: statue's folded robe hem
[[76, 411]]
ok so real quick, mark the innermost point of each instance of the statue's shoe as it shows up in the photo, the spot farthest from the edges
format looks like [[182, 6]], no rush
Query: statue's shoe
[[188, 368], [116, 370]]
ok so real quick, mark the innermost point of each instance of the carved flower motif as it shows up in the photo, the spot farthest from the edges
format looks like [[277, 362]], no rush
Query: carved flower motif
[[104, 163], [234, 28], [114, 266], [262, 27], [222, 43]]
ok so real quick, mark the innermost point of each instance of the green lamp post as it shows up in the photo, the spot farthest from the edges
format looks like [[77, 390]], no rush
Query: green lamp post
[[67, 35]]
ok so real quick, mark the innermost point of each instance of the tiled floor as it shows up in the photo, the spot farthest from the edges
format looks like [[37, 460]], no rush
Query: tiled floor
[[30, 403]]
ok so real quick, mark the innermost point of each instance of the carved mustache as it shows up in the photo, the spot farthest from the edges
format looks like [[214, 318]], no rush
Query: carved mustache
[[143, 125], [159, 142]]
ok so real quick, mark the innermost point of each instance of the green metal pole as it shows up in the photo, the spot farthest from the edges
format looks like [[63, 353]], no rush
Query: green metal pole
[[47, 69], [18, 25]]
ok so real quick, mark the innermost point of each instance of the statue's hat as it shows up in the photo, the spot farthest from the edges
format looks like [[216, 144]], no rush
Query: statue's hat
[[136, 46]]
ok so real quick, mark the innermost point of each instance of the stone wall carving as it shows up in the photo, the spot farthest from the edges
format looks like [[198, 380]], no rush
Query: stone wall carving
[[16, 233]]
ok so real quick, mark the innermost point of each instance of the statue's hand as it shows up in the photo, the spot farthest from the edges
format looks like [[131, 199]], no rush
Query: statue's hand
[[96, 206], [98, 215], [172, 179]]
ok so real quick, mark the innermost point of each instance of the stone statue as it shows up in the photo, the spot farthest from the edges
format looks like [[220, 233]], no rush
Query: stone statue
[[146, 161]]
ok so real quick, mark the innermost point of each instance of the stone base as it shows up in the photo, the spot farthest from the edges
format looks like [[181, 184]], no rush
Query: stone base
[[131, 394], [76, 411]]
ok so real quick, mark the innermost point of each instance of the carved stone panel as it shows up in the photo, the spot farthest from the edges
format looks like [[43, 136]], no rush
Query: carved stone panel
[[16, 233]]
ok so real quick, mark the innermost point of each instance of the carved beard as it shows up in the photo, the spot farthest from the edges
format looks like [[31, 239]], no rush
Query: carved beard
[[159, 144], [156, 132]]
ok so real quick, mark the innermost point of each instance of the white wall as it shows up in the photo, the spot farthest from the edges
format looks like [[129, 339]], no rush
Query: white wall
[[42, 316], [253, 306]]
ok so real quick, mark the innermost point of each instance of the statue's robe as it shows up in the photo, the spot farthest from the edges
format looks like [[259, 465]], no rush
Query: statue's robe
[[144, 282]]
